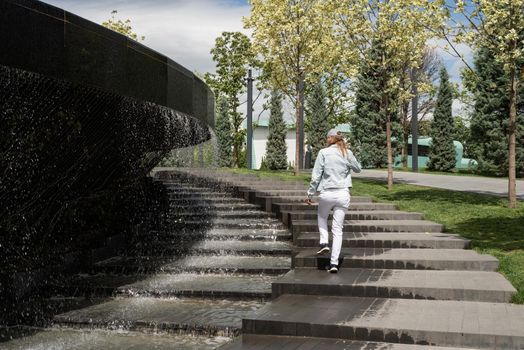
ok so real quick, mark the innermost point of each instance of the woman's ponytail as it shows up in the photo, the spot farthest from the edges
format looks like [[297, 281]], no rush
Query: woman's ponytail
[[339, 141]]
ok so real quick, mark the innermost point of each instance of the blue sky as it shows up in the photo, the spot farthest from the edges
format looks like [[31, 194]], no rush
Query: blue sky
[[185, 30]]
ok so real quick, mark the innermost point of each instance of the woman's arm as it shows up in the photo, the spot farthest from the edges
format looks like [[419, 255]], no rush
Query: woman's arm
[[353, 162], [316, 175]]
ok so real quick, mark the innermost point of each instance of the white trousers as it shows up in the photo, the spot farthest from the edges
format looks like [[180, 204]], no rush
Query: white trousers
[[338, 201]]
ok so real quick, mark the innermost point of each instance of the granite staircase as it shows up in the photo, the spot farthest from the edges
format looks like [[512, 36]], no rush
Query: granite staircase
[[404, 283]]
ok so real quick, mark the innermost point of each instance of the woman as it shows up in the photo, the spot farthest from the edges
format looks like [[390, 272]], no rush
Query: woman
[[332, 178]]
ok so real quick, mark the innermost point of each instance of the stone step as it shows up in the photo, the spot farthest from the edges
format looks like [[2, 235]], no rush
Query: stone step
[[421, 259], [292, 216], [254, 214], [195, 263], [279, 342], [204, 195], [192, 316], [441, 323], [278, 208], [181, 224], [201, 285], [299, 226], [301, 198], [390, 240], [408, 284], [217, 207], [175, 237], [96, 339], [194, 200]]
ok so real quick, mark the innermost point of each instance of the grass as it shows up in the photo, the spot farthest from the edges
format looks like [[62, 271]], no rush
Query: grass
[[485, 220], [454, 172]]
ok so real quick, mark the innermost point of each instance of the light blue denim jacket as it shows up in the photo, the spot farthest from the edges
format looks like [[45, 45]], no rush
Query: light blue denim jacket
[[332, 170]]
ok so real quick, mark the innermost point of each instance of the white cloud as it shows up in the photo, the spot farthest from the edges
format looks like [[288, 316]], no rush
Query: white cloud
[[183, 30]]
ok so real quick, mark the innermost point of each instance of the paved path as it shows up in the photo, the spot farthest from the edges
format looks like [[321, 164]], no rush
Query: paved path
[[484, 185]]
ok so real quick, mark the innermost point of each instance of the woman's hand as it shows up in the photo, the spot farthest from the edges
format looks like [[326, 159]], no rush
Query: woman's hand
[[308, 201]]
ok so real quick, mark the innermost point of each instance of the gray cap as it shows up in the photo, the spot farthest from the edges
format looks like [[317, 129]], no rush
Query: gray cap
[[333, 132]]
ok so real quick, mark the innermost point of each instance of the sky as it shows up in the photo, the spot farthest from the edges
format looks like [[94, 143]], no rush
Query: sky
[[185, 30]]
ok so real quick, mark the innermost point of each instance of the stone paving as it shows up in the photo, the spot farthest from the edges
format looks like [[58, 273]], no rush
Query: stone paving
[[403, 281]]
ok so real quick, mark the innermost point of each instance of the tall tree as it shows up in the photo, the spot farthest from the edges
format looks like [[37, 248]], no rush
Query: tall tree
[[296, 40], [122, 26], [317, 124], [224, 133], [368, 122], [276, 149], [403, 28], [497, 26], [441, 149], [489, 120], [233, 57]]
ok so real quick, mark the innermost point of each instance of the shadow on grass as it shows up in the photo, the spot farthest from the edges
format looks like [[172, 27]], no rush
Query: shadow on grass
[[493, 232]]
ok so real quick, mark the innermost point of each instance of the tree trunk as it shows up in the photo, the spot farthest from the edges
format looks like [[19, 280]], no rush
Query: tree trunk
[[390, 152], [406, 128], [297, 136], [512, 192]]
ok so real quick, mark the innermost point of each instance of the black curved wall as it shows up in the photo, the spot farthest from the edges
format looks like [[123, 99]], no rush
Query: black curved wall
[[41, 38], [85, 114]]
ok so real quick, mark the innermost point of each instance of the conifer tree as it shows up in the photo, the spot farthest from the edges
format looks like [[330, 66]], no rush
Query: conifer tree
[[276, 149], [224, 133], [368, 122], [316, 124], [489, 120], [441, 149]]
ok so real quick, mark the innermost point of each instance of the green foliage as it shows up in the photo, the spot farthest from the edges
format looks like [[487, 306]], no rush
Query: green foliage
[[276, 149], [316, 123], [233, 56], [441, 149], [223, 133], [489, 120], [462, 135], [368, 122], [263, 164], [122, 27]]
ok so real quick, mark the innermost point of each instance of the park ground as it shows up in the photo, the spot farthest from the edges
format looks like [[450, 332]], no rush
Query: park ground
[[484, 219]]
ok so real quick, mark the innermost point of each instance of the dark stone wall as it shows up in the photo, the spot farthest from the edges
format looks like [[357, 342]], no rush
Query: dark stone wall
[[85, 114]]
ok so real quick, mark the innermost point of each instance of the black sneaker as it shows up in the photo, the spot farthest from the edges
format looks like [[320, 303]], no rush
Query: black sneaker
[[324, 249], [333, 268]]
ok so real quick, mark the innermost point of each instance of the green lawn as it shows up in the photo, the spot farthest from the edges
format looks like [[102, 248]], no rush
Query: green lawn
[[485, 220]]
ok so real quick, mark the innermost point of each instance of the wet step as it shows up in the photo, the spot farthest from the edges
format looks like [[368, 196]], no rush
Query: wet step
[[201, 285], [408, 284], [209, 200], [441, 323], [162, 315], [422, 259], [218, 222], [358, 215], [240, 214], [175, 237], [204, 195], [196, 263], [276, 342], [300, 198], [84, 339], [372, 226], [429, 240], [214, 207], [241, 247]]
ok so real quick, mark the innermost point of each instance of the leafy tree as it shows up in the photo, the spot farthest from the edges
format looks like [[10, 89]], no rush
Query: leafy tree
[[224, 133], [489, 120], [441, 149], [463, 135], [276, 149], [233, 56], [122, 27], [497, 26], [317, 123], [297, 43], [368, 123]]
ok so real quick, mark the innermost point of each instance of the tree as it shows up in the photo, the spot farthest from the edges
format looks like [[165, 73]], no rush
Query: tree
[[122, 27], [233, 56], [224, 133], [296, 40], [489, 121], [402, 27], [463, 135], [441, 149], [369, 121], [497, 26], [276, 149], [317, 124]]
